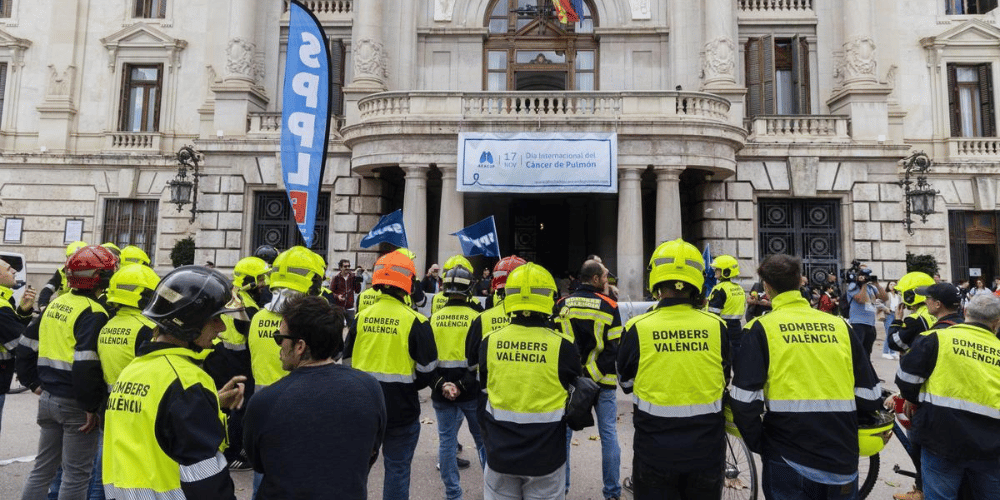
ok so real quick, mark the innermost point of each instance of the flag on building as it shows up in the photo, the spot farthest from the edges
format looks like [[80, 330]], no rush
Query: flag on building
[[389, 229], [305, 117], [709, 272], [480, 239], [566, 11]]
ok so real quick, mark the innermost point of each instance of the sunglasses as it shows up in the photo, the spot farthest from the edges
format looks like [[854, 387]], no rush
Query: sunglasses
[[278, 338]]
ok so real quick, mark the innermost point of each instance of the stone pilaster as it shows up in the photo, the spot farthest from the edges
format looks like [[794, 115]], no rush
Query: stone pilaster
[[668, 204], [415, 212], [452, 214], [630, 258]]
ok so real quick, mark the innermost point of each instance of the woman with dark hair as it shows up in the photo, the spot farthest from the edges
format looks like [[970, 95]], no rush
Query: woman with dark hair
[[891, 302], [828, 299]]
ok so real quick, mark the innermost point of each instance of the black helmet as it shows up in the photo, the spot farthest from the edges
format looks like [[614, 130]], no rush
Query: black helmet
[[458, 281], [266, 252], [189, 297]]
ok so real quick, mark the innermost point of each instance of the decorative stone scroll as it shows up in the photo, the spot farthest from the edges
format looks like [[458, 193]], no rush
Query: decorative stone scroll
[[60, 85], [859, 59], [370, 59], [241, 59], [719, 62]]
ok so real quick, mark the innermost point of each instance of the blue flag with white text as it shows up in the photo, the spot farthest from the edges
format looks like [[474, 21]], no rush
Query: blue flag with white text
[[389, 230], [305, 117], [480, 239], [709, 272]]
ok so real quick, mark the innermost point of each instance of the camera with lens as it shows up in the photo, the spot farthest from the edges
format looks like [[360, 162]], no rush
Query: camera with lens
[[851, 274]]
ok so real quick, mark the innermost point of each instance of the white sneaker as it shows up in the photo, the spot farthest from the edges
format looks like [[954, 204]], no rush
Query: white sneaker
[[886, 355]]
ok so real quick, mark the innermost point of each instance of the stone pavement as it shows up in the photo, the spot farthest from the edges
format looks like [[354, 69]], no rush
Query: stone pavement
[[19, 439]]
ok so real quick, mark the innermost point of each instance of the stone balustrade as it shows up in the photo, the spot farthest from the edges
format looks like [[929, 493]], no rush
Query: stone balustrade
[[542, 105], [800, 128], [133, 141], [986, 148], [775, 5], [327, 9], [264, 124]]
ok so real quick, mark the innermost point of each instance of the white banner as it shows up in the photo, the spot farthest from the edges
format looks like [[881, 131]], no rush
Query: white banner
[[538, 163]]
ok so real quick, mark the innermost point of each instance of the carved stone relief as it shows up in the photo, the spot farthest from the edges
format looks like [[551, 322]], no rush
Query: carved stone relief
[[60, 85], [640, 9], [443, 9], [370, 59], [719, 60], [859, 59], [241, 59]]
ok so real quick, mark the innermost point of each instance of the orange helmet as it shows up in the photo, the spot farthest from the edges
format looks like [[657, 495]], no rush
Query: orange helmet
[[394, 269], [503, 268]]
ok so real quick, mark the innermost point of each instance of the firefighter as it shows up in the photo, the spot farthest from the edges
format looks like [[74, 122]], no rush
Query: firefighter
[[813, 375], [592, 320], [130, 290], [454, 261], [728, 299], [165, 429], [526, 368], [904, 330], [57, 359], [395, 344], [495, 317], [57, 283], [675, 361], [134, 255]]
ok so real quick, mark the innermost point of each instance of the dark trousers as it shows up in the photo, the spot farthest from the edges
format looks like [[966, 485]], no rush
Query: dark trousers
[[651, 483], [865, 333], [782, 482]]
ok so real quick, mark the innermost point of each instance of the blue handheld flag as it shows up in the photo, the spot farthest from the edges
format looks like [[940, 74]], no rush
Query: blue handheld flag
[[709, 272], [389, 230], [480, 239], [305, 117]]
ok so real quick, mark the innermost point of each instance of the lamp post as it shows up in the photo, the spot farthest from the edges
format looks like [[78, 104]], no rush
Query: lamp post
[[181, 188], [919, 197]]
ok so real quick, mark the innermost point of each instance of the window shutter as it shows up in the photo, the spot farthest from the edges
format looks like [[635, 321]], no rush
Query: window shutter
[[954, 113], [754, 96], [986, 100], [768, 104], [123, 108], [159, 98], [800, 74], [3, 88], [338, 54]]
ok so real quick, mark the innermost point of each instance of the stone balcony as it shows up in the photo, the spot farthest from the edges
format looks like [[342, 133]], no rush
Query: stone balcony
[[763, 11], [986, 149], [681, 129], [326, 10], [799, 129]]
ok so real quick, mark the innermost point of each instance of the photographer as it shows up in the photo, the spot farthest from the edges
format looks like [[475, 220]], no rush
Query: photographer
[[862, 292]]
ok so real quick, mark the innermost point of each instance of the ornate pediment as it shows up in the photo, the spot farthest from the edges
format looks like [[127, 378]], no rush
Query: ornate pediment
[[141, 39], [14, 47], [972, 33]]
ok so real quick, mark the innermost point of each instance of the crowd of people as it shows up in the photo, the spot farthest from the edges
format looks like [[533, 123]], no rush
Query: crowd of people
[[155, 387]]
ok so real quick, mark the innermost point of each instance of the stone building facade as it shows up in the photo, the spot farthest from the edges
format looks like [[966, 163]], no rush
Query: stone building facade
[[752, 126]]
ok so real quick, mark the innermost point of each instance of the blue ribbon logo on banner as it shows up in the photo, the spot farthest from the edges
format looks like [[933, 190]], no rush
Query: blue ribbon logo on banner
[[389, 229], [305, 117], [480, 239]]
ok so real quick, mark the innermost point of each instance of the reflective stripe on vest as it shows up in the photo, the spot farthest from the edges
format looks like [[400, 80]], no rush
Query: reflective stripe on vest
[[736, 300], [231, 338], [451, 327], [589, 309], [493, 319], [382, 341], [680, 362], [518, 353], [264, 361], [116, 342], [134, 464], [811, 365], [966, 374], [56, 338]]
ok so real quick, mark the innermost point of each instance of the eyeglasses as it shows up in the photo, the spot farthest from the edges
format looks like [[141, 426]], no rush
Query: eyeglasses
[[279, 337]]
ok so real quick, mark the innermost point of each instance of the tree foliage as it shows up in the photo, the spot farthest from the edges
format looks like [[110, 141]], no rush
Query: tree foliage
[[183, 252], [924, 263]]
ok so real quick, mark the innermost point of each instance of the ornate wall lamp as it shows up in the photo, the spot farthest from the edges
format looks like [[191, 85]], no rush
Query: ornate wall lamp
[[919, 198], [181, 188]]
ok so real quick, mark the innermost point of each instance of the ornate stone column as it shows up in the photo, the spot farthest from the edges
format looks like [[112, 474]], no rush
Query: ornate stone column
[[240, 93], [415, 213], [241, 49], [630, 265], [859, 47], [860, 95], [718, 56], [370, 58], [668, 204], [452, 214]]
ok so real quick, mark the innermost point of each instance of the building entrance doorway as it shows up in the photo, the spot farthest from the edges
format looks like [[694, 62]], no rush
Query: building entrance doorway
[[974, 245], [557, 231]]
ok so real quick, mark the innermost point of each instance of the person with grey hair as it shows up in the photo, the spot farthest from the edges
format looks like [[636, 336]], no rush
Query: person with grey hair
[[950, 379]]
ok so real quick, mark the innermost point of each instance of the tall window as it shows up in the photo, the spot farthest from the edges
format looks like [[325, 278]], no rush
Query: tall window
[[957, 7], [970, 100], [777, 76], [151, 9], [529, 49], [6, 8], [3, 87], [131, 222], [140, 102], [273, 223]]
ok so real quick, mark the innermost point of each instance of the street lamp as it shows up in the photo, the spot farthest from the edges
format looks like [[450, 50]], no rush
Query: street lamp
[[181, 188], [919, 198]]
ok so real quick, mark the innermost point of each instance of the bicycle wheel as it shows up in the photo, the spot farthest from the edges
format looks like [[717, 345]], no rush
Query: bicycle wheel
[[867, 475], [740, 480]]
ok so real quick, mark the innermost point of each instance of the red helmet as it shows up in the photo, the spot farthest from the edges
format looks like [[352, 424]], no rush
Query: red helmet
[[91, 267], [503, 268]]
